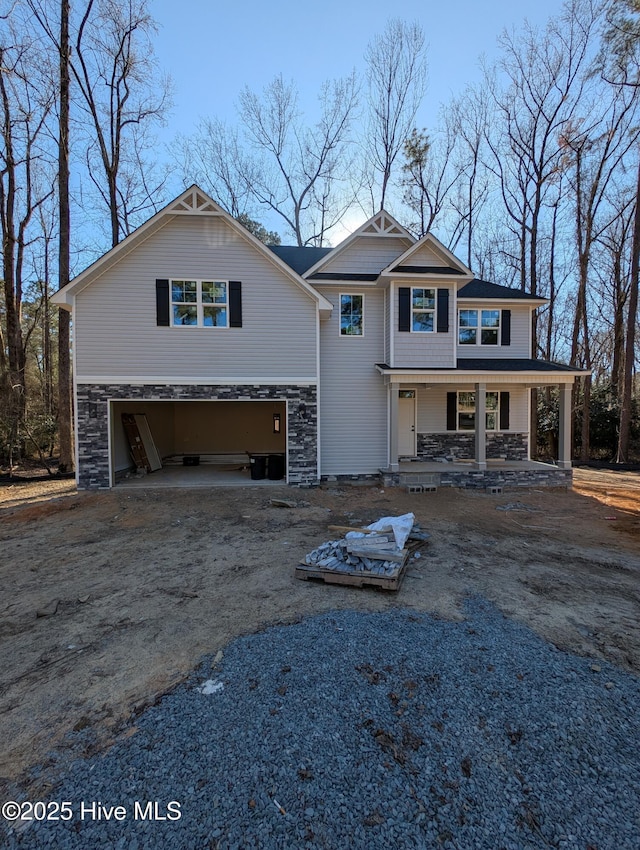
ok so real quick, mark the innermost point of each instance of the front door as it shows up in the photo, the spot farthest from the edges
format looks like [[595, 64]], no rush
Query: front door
[[406, 423]]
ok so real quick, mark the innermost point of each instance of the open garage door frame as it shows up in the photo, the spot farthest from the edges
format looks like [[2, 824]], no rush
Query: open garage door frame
[[215, 431]]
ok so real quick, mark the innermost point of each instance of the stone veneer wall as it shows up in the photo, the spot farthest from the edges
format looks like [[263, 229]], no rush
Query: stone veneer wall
[[482, 479], [453, 445], [93, 428]]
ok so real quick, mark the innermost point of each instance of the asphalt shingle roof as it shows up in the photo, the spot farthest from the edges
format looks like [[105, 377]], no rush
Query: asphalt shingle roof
[[485, 289], [299, 259]]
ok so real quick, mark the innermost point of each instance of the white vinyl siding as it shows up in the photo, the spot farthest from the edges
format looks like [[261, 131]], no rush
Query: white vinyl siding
[[353, 415], [115, 320], [520, 331], [426, 256], [424, 350], [367, 255]]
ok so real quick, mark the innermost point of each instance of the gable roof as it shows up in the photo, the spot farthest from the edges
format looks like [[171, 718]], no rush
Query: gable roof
[[485, 289], [381, 225], [299, 258], [448, 264], [193, 201]]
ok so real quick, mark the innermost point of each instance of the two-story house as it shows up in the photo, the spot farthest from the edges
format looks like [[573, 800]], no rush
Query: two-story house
[[381, 354]]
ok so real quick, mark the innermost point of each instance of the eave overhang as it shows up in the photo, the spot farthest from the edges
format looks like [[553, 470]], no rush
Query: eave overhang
[[529, 373], [532, 303]]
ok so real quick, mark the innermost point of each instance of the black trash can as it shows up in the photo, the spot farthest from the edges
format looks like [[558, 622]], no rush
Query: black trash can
[[276, 467], [258, 465]]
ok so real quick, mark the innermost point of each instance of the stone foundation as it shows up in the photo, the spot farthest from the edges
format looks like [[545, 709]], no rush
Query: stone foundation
[[482, 479], [92, 422], [461, 446]]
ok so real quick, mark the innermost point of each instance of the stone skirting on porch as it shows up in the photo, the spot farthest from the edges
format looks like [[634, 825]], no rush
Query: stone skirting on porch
[[508, 476], [454, 446]]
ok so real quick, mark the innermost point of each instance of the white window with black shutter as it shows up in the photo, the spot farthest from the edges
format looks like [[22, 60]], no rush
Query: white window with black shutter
[[199, 303], [423, 309], [461, 411]]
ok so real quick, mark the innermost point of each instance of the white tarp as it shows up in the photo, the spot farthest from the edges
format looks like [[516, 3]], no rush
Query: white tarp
[[400, 525]]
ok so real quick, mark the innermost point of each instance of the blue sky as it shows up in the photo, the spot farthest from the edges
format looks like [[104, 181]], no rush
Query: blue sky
[[212, 49]]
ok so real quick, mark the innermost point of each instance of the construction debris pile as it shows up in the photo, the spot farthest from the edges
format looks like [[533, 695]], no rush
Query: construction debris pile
[[379, 548]]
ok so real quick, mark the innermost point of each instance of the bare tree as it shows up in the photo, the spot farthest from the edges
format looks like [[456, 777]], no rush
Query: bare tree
[[123, 94], [614, 275], [546, 74], [469, 117], [396, 76], [301, 173], [26, 101], [428, 177], [65, 403], [597, 152], [214, 158], [620, 64]]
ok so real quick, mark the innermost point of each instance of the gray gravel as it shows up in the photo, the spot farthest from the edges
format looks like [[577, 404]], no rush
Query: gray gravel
[[393, 730]]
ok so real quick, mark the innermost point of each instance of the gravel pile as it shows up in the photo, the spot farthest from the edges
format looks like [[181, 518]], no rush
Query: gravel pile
[[393, 730]]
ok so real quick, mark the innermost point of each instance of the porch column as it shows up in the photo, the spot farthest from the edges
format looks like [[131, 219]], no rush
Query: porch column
[[481, 426], [564, 427], [393, 390]]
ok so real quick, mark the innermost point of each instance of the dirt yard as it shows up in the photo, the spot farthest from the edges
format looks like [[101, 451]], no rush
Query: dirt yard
[[110, 599]]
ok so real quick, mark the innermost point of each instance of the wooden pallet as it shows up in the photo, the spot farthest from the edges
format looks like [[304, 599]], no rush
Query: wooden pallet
[[356, 578]]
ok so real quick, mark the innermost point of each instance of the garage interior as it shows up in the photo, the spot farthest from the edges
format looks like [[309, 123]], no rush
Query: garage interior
[[199, 443]]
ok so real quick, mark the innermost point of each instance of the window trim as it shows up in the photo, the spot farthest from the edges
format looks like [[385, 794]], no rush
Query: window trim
[[479, 327], [433, 310], [342, 295], [199, 303]]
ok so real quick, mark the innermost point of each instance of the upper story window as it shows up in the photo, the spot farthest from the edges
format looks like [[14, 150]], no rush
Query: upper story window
[[200, 303], [478, 327], [423, 309], [351, 315]]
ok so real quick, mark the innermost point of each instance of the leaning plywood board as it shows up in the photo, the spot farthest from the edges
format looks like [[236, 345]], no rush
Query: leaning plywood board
[[136, 446], [149, 445]]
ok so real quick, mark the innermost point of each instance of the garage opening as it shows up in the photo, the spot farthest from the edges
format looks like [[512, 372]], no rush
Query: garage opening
[[198, 443]]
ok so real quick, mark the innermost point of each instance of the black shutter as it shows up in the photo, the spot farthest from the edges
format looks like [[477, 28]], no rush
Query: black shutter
[[452, 411], [404, 308], [443, 311], [235, 304], [162, 303], [504, 411], [505, 324]]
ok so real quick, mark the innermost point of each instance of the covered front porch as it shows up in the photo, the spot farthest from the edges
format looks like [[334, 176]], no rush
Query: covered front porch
[[470, 426]]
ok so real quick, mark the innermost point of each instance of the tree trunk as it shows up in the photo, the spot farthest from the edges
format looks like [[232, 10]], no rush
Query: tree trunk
[[65, 426], [624, 432]]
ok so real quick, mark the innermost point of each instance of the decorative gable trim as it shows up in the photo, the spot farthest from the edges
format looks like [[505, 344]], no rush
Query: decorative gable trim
[[450, 264], [382, 224], [194, 201]]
